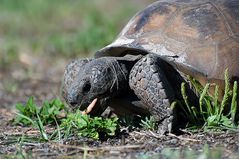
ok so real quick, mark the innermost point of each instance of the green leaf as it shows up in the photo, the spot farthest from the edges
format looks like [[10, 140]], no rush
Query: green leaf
[[84, 125], [21, 116], [212, 120], [234, 103]]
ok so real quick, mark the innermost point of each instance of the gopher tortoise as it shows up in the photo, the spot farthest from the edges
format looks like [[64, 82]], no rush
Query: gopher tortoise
[[159, 46]]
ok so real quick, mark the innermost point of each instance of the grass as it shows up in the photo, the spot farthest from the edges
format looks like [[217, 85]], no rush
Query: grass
[[47, 113], [58, 27], [212, 113], [73, 123]]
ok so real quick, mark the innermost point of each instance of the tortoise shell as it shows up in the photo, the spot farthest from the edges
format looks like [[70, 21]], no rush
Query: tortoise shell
[[199, 38]]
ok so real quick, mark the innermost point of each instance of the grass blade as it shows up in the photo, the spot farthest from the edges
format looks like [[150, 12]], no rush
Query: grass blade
[[27, 118], [198, 87], [226, 93], [215, 100], [41, 128], [185, 98], [201, 99], [234, 102]]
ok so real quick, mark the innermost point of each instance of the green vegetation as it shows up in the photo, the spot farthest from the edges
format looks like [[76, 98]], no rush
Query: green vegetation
[[73, 123], [148, 123], [58, 27], [47, 113], [212, 113], [83, 125]]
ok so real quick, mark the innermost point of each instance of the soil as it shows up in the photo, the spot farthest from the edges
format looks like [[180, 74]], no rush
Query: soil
[[43, 81]]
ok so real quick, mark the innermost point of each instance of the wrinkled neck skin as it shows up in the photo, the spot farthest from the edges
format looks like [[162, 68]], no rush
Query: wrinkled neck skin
[[116, 77], [115, 83], [123, 101]]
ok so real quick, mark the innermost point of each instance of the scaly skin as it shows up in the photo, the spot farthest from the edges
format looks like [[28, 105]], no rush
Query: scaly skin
[[148, 80], [104, 78], [109, 79]]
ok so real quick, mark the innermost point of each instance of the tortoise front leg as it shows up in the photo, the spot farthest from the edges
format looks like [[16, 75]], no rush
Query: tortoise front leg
[[148, 80]]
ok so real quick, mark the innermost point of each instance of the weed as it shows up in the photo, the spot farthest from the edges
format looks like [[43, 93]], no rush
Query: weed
[[30, 112], [211, 112], [149, 123], [73, 123], [84, 125]]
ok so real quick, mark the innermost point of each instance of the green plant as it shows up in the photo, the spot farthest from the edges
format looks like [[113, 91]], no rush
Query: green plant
[[31, 114], [26, 112], [58, 27], [149, 123], [73, 123], [47, 114], [211, 112], [84, 125]]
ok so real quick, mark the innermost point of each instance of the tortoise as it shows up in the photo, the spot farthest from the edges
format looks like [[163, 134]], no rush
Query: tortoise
[[153, 54]]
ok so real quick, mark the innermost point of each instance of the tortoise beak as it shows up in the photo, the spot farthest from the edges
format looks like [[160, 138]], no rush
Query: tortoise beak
[[98, 107], [90, 107]]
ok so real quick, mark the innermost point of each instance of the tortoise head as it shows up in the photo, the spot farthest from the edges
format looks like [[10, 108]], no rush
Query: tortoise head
[[85, 80]]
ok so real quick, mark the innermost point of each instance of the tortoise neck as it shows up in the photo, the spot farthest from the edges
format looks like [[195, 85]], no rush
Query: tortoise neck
[[121, 70]]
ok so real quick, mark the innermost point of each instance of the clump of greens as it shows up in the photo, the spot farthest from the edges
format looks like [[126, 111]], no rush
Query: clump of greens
[[84, 125], [72, 124], [212, 113], [148, 123], [48, 112]]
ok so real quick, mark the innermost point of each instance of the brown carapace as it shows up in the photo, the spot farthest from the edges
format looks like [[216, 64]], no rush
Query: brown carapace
[[198, 38]]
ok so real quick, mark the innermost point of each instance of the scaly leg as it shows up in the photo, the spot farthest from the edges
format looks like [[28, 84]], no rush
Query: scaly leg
[[148, 80]]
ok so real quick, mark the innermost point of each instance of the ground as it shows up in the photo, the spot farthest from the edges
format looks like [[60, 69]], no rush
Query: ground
[[37, 40]]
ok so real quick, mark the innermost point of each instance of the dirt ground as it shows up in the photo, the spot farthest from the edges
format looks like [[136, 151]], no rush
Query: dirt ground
[[43, 81]]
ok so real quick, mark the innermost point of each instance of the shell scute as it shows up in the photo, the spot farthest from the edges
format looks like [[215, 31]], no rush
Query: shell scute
[[153, 18], [199, 38], [198, 23], [230, 10]]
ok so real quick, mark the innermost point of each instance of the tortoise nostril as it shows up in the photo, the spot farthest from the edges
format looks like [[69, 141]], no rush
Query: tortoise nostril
[[73, 99], [73, 103]]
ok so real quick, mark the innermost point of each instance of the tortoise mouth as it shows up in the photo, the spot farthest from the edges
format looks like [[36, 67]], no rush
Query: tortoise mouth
[[97, 109]]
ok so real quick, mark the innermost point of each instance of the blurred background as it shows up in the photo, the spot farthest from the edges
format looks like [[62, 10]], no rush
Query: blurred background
[[39, 37]]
